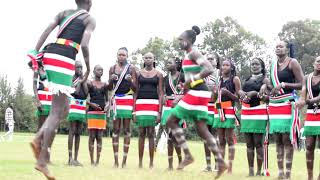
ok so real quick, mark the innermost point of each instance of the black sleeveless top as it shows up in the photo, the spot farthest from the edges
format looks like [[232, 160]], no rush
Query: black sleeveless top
[[75, 29], [97, 95], [253, 85], [81, 95], [148, 87], [125, 85], [229, 85], [167, 88], [287, 76], [40, 84], [315, 93]]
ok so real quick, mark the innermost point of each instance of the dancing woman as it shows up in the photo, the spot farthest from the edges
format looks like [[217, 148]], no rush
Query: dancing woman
[[148, 104], [122, 80], [58, 60], [225, 120], [310, 97], [254, 114], [193, 106], [286, 76]]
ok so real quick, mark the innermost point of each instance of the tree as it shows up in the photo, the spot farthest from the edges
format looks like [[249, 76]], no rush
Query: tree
[[5, 98], [161, 49], [230, 40], [24, 109], [305, 35]]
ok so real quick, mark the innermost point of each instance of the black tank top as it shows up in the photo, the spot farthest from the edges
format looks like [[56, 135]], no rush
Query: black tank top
[[229, 85], [167, 87], [97, 95], [125, 85], [148, 87], [315, 93], [253, 85], [74, 30], [42, 78], [287, 76]]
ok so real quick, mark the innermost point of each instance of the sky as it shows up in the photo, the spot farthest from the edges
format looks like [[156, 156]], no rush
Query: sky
[[131, 23]]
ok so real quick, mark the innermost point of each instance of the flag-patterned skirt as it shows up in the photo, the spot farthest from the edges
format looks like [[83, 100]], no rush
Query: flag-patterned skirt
[[254, 119], [193, 106], [96, 120], [229, 120], [77, 110], [211, 113], [59, 63], [45, 98], [123, 106], [147, 111], [312, 123], [166, 110], [280, 117]]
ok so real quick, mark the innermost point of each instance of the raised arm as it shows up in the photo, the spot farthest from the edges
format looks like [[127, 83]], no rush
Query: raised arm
[[85, 44]]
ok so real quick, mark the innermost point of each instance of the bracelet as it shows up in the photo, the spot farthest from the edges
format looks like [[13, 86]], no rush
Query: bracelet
[[133, 113], [283, 85]]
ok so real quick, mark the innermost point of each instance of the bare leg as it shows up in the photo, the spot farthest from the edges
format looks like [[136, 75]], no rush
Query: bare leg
[[72, 128], [222, 140], [92, 137], [177, 132], [258, 139], [126, 144], [151, 134], [99, 145], [250, 152], [170, 154], [208, 154], [280, 154], [115, 141], [289, 153], [142, 135], [310, 143], [77, 142], [212, 144], [59, 111], [230, 136]]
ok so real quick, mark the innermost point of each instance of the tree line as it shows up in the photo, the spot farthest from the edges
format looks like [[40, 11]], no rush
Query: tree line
[[224, 36]]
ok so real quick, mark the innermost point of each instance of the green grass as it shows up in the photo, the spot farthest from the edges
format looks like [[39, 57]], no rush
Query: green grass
[[17, 162]]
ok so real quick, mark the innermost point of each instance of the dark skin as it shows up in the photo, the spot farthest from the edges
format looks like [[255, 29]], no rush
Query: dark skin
[[76, 126], [96, 134], [284, 61], [283, 144], [306, 100], [212, 58], [122, 56], [172, 69], [148, 72], [254, 140], [226, 135], [60, 107], [186, 44]]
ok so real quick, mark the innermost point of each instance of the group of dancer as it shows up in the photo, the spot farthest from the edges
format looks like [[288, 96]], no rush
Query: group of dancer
[[198, 89]]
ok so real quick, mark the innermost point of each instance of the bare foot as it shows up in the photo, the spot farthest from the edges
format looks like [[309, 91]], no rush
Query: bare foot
[[187, 160], [151, 166], [140, 165], [77, 163], [170, 169], [221, 170], [115, 165], [35, 149], [123, 165], [44, 170]]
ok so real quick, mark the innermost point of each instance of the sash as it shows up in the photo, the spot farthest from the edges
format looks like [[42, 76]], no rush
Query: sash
[[68, 19], [113, 100], [173, 88], [274, 75], [309, 85]]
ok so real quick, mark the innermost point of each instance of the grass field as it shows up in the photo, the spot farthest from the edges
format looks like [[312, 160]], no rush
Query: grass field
[[17, 162]]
